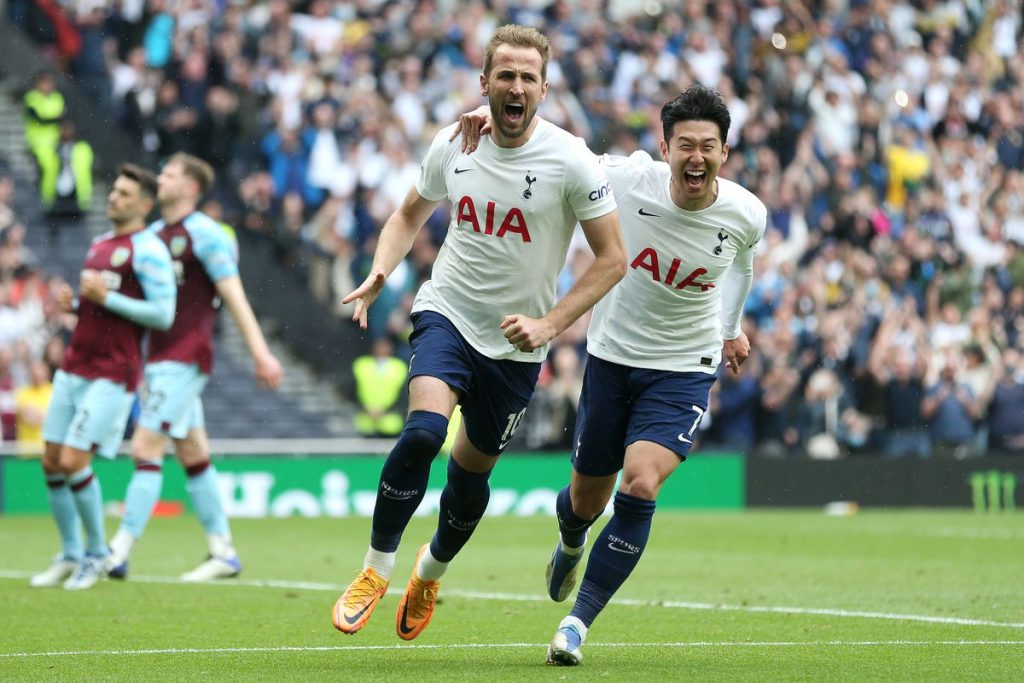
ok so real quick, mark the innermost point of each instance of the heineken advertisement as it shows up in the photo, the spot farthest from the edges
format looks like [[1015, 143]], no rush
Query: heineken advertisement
[[343, 486]]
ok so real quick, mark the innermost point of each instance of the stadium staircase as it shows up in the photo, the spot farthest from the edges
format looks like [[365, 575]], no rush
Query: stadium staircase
[[306, 407]]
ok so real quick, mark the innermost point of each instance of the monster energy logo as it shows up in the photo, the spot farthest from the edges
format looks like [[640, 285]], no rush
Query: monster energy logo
[[993, 491]]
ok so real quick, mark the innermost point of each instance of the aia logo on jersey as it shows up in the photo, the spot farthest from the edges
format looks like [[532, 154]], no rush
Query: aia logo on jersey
[[648, 260], [513, 221], [722, 237], [527, 193]]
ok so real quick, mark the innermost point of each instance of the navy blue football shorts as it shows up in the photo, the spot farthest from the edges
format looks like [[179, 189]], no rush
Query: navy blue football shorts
[[493, 393], [621, 405]]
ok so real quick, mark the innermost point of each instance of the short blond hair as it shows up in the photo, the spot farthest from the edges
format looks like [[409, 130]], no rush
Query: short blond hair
[[196, 169], [520, 36]]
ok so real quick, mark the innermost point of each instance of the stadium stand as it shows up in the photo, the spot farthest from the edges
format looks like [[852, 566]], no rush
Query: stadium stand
[[884, 135], [37, 252]]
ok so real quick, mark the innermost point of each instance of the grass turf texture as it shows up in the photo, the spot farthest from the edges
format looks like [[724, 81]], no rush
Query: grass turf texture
[[746, 596]]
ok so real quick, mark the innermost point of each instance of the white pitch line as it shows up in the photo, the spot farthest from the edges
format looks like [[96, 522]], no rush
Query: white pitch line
[[491, 646], [628, 602], [951, 532]]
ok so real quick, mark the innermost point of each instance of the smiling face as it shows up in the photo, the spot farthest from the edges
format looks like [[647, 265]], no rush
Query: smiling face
[[515, 87], [695, 152]]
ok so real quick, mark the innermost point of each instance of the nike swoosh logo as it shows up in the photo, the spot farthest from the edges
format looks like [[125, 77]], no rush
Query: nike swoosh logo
[[648, 213], [401, 624], [684, 439], [620, 550], [501, 446], [462, 170], [355, 617]]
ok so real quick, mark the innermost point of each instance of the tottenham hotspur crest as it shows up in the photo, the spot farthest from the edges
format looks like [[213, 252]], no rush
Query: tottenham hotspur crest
[[529, 181], [722, 237]]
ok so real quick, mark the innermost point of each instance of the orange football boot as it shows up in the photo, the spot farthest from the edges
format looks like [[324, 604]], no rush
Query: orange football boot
[[417, 606], [356, 604]]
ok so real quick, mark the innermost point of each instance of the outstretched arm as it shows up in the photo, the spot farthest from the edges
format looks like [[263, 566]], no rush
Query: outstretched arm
[[396, 238], [266, 367]]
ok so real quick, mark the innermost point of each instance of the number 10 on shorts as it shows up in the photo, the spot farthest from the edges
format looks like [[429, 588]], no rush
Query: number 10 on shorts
[[510, 428]]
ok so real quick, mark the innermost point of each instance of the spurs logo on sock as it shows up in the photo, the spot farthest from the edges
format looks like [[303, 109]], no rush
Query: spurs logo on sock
[[460, 524], [396, 494], [621, 546]]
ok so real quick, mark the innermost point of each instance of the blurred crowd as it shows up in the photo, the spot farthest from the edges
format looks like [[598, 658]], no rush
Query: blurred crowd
[[33, 331], [885, 136]]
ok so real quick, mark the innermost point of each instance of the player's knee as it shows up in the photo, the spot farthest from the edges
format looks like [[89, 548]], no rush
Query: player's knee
[[51, 459], [142, 453], [645, 485], [147, 445], [420, 444], [423, 435], [190, 454], [72, 460]]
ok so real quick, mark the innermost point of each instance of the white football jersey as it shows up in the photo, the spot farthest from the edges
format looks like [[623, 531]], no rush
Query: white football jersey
[[664, 314], [513, 214]]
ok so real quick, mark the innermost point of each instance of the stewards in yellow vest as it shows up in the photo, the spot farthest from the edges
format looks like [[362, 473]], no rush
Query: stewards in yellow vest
[[44, 107], [380, 379], [65, 173]]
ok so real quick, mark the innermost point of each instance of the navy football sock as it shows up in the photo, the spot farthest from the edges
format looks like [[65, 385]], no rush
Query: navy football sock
[[572, 528], [403, 480], [616, 552], [463, 503]]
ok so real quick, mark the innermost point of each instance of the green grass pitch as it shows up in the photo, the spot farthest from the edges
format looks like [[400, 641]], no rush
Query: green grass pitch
[[756, 596]]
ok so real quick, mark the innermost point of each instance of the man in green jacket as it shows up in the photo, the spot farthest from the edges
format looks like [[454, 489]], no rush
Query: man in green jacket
[[44, 108], [65, 174]]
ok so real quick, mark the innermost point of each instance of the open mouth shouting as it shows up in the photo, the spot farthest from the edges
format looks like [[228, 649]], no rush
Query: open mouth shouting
[[694, 179], [514, 113]]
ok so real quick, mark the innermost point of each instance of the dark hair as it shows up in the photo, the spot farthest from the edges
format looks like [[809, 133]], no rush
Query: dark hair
[[196, 169], [696, 103], [145, 179]]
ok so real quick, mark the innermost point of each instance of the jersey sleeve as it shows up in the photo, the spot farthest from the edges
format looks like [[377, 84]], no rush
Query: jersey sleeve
[[213, 247], [154, 270], [740, 277], [586, 184], [623, 172], [431, 183]]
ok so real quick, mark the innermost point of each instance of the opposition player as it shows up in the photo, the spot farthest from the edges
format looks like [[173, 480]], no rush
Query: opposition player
[[655, 344], [126, 285], [482, 324], [179, 364]]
